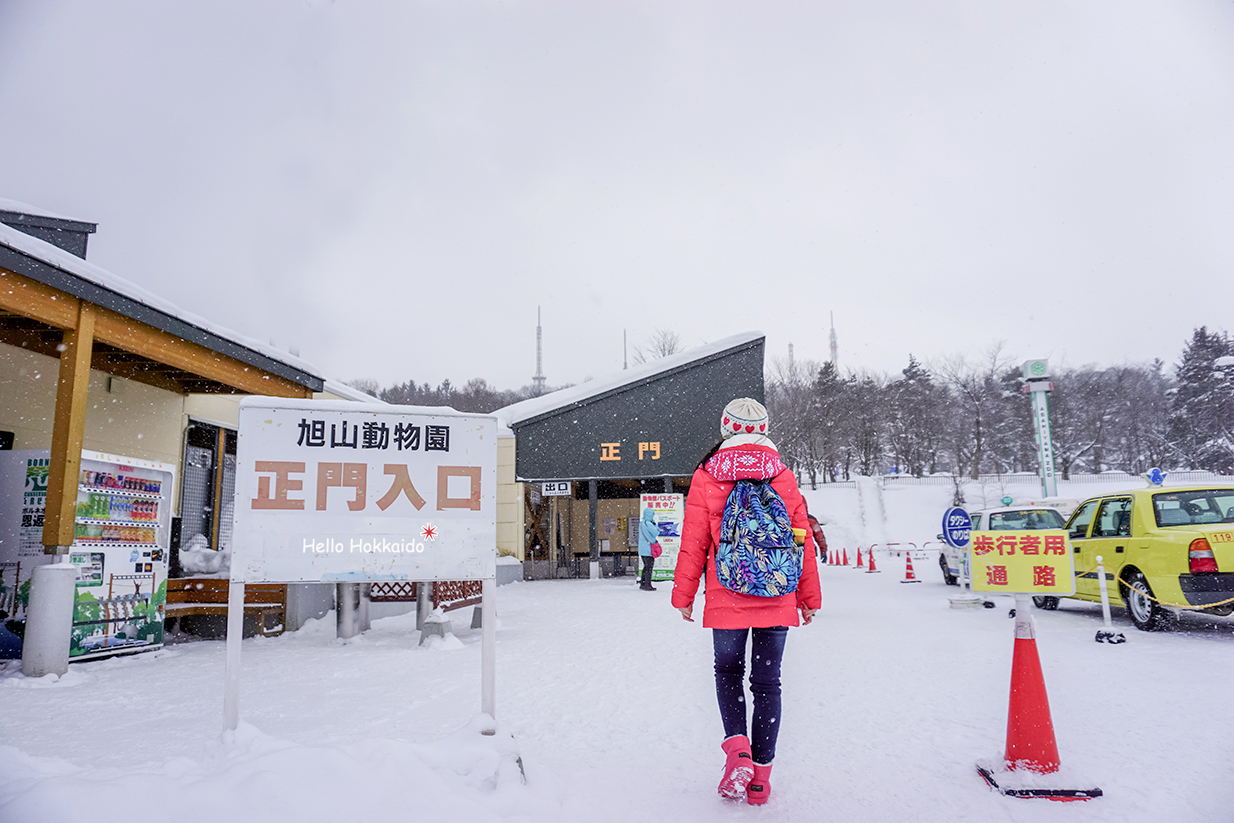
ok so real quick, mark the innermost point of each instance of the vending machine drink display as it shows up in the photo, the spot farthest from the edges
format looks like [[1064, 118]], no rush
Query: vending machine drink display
[[120, 550]]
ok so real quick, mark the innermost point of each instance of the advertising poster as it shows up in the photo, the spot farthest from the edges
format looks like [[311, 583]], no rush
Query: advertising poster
[[670, 510], [341, 491]]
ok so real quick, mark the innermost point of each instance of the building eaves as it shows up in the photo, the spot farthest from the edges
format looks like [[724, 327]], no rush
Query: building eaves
[[58, 269]]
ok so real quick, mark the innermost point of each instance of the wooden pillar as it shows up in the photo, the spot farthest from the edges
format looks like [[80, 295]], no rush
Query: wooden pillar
[[216, 513], [68, 431]]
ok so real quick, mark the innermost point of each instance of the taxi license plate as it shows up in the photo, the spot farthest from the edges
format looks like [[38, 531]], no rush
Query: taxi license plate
[[1222, 537]]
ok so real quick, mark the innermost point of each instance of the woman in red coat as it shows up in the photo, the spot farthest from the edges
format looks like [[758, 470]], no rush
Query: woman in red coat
[[744, 453]]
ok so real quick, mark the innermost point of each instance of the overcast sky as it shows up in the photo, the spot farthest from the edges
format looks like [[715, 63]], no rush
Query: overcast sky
[[395, 187]]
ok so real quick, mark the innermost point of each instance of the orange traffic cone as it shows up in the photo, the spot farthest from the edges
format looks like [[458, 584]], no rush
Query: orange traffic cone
[[860, 565], [1030, 730], [909, 577], [871, 569], [845, 557]]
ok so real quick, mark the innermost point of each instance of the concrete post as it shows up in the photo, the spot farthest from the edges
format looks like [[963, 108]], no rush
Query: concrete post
[[49, 621], [362, 615], [424, 603], [345, 615]]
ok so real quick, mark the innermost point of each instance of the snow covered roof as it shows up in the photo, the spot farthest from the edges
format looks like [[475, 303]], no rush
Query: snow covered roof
[[17, 207], [561, 400], [341, 389], [55, 267]]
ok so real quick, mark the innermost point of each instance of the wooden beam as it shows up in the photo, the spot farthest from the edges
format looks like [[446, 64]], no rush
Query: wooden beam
[[29, 298], [157, 345], [68, 430], [132, 370]]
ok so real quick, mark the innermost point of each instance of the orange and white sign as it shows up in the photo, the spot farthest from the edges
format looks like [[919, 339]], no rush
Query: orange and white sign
[[1022, 562], [337, 491]]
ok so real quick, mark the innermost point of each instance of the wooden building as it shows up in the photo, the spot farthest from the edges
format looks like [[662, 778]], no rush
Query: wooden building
[[90, 360]]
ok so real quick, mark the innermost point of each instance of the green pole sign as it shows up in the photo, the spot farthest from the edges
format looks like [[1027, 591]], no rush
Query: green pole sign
[[1037, 384]]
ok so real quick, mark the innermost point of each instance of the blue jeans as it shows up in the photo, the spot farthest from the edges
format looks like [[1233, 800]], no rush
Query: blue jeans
[[766, 651]]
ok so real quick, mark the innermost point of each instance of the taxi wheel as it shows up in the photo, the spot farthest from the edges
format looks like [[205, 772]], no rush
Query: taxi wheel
[[948, 577], [1046, 602], [1146, 614]]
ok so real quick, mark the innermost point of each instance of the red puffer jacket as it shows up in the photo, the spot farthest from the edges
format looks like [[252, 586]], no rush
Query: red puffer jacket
[[709, 490]]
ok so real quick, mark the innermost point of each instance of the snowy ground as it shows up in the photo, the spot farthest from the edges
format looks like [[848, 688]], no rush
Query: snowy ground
[[605, 693]]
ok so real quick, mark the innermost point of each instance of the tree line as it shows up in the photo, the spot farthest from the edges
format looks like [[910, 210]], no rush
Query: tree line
[[964, 416], [970, 416]]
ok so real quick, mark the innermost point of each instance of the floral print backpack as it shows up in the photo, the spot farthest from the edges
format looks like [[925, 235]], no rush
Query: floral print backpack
[[757, 553]]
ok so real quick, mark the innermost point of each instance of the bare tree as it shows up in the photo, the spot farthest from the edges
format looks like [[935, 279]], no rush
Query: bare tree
[[977, 390], [793, 405], [365, 384], [662, 343]]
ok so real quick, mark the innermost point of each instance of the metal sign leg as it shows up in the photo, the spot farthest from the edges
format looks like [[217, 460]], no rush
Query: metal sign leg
[[488, 648], [235, 632]]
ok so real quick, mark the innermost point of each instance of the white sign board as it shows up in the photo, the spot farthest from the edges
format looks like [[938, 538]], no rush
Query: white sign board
[[557, 488], [339, 491]]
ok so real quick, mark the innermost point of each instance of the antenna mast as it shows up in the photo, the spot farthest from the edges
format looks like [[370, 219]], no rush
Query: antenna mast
[[835, 349], [537, 382]]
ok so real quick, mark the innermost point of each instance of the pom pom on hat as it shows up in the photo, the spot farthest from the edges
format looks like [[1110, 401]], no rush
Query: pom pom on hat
[[743, 416]]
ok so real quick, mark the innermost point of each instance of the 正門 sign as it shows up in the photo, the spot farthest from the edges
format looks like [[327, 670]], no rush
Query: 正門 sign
[[1022, 562], [354, 491]]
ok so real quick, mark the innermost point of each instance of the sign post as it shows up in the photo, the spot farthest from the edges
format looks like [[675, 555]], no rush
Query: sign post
[[353, 493], [957, 532], [1037, 384]]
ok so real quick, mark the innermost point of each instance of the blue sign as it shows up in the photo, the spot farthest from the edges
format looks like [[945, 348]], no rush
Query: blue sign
[[1155, 476], [956, 527]]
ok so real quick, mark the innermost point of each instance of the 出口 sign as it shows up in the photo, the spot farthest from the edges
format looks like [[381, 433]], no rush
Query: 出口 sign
[[1022, 562], [344, 491]]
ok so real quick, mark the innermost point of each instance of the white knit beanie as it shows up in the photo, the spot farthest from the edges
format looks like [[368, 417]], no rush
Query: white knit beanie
[[743, 416]]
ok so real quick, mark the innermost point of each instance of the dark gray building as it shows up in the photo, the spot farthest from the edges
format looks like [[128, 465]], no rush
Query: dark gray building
[[638, 431]]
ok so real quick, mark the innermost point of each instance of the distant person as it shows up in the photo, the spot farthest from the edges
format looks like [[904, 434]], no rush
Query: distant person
[[744, 453], [648, 536], [820, 539]]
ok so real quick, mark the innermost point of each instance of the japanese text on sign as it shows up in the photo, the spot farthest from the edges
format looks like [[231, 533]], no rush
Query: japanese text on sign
[[1022, 562], [372, 435], [331, 490], [647, 450]]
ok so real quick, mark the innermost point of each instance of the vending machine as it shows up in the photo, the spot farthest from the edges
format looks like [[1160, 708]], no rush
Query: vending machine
[[120, 549]]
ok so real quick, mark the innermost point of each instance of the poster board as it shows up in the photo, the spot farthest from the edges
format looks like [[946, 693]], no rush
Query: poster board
[[670, 511], [341, 491]]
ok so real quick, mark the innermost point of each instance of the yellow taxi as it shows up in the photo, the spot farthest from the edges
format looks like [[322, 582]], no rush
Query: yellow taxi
[[1163, 548]]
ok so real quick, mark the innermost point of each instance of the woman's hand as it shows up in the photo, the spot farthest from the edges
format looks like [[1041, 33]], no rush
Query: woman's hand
[[686, 612], [807, 615]]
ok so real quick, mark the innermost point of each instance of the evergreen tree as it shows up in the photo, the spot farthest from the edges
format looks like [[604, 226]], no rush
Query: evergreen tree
[[1202, 408]]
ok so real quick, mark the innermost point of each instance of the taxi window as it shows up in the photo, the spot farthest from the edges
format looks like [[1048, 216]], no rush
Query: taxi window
[[1029, 519], [1114, 519], [976, 523], [1194, 508], [1078, 527]]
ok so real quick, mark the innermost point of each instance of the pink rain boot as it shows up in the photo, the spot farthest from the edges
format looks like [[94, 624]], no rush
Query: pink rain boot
[[738, 767], [760, 787]]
